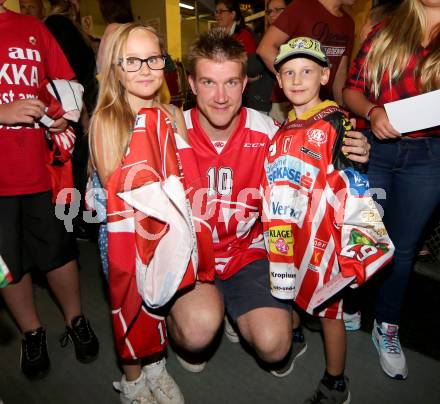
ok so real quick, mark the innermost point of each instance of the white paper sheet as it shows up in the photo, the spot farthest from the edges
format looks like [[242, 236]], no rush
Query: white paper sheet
[[415, 113]]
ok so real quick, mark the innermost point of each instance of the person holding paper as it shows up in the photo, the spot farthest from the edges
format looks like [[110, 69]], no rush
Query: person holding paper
[[398, 60]]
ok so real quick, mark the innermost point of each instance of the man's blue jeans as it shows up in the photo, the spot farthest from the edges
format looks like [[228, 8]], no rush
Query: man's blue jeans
[[408, 170]]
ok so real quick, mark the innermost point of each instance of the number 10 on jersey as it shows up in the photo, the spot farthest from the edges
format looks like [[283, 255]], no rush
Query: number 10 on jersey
[[220, 181]]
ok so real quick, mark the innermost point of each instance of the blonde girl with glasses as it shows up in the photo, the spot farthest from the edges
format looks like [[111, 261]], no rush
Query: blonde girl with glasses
[[132, 74]]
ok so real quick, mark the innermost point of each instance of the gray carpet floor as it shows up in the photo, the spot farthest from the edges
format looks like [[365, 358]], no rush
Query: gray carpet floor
[[231, 376]]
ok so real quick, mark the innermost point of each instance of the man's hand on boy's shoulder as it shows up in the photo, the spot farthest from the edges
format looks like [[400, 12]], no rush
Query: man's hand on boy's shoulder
[[356, 147]]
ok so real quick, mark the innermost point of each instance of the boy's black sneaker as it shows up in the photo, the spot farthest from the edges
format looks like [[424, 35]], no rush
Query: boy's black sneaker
[[83, 338], [324, 395], [34, 360]]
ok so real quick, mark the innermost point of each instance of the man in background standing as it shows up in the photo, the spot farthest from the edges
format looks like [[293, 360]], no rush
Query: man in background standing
[[34, 8]]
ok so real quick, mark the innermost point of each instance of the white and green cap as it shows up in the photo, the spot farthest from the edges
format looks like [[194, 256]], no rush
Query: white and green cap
[[301, 47]]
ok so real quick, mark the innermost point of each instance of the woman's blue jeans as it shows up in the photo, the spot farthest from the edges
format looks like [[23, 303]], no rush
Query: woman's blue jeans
[[408, 170]]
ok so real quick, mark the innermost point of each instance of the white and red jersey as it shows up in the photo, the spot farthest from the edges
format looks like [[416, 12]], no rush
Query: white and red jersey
[[319, 218], [62, 98], [154, 247], [231, 179]]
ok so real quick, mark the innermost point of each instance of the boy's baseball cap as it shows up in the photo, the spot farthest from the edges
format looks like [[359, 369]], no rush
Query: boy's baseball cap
[[301, 47]]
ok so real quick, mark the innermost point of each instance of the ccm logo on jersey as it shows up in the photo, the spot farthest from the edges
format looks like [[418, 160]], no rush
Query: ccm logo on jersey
[[254, 145]]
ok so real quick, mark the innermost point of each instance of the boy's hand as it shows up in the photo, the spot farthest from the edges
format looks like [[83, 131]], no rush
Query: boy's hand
[[21, 112], [356, 146]]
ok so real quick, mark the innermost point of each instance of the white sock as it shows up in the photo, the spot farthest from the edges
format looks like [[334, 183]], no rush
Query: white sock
[[154, 369], [132, 382], [129, 384]]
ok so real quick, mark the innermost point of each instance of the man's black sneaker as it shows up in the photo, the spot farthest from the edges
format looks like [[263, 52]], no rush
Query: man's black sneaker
[[34, 360], [83, 338]]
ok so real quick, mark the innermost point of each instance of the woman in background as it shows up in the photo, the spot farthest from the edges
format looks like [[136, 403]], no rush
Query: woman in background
[[399, 59], [228, 16]]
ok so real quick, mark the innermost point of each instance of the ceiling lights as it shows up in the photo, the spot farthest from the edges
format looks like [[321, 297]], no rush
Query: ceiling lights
[[183, 5]]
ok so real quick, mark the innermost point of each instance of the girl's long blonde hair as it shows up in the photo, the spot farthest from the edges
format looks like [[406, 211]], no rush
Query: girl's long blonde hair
[[394, 44], [113, 118]]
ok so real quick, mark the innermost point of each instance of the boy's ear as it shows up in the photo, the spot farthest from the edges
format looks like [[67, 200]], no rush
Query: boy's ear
[[279, 79], [192, 84], [325, 76]]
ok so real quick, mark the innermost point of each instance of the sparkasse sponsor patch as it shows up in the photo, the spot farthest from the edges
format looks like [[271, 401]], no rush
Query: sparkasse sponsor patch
[[292, 169]]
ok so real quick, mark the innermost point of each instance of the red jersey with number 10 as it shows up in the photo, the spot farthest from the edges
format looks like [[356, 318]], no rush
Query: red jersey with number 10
[[231, 181]]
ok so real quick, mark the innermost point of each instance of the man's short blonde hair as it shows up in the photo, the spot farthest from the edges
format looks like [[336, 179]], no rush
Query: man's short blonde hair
[[219, 46]]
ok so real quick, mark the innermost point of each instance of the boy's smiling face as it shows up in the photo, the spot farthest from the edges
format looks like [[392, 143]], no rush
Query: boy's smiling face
[[301, 80]]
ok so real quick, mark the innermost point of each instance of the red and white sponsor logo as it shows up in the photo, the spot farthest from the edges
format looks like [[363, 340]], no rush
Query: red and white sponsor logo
[[316, 136], [320, 244]]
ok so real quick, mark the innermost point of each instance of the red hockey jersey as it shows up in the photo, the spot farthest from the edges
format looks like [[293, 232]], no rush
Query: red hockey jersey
[[153, 248], [319, 217], [62, 98], [231, 181]]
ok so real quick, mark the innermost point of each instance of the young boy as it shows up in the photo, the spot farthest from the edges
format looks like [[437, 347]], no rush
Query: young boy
[[319, 219]]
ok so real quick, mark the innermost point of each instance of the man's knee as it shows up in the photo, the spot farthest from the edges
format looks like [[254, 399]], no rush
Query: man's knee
[[272, 344], [195, 330], [196, 316]]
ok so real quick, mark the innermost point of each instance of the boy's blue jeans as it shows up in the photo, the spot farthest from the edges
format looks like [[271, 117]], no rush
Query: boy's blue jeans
[[408, 170]]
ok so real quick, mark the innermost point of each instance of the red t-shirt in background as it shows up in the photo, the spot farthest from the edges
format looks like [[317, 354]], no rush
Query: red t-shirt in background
[[246, 38], [28, 54], [310, 18]]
